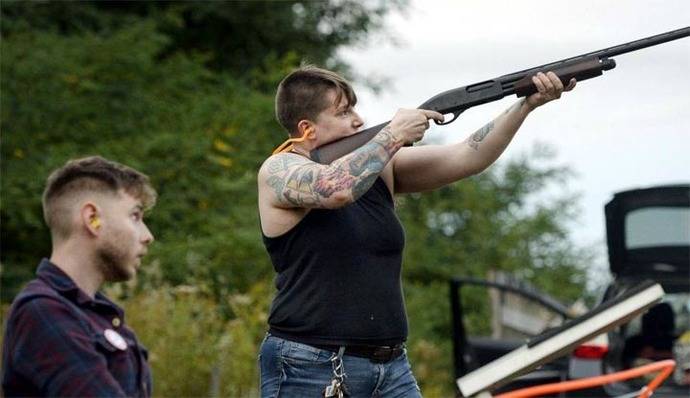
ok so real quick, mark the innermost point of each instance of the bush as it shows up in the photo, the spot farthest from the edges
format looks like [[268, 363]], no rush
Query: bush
[[193, 349]]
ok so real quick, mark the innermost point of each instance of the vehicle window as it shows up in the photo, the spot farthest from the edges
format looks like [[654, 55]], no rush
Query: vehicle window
[[680, 302], [661, 333], [657, 226], [680, 305]]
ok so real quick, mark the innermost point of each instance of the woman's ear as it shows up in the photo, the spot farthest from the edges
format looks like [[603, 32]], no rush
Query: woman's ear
[[306, 129]]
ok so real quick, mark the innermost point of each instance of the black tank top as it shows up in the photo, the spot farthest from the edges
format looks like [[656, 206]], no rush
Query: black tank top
[[339, 275]]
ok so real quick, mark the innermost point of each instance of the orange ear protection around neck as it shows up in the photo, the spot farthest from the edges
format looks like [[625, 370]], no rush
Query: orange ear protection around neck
[[287, 145]]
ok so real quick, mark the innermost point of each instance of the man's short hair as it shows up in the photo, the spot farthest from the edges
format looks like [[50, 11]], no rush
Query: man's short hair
[[90, 174], [302, 95]]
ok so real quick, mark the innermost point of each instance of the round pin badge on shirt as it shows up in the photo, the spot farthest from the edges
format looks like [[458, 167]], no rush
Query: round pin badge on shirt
[[115, 339]]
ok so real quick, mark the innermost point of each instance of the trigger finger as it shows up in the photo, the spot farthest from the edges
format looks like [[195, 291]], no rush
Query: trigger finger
[[438, 117], [433, 115]]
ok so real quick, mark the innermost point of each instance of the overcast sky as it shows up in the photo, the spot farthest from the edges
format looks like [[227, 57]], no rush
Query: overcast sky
[[627, 129]]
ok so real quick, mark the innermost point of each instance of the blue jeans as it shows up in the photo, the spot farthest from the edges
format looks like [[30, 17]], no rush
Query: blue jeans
[[290, 369]]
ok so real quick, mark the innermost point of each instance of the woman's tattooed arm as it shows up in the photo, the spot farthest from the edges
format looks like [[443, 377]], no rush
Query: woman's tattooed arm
[[476, 139], [299, 182], [479, 135]]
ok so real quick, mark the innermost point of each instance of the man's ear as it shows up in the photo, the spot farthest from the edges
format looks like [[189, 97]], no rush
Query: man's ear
[[90, 218]]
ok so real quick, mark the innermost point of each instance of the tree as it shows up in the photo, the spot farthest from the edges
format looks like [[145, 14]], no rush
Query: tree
[[239, 38]]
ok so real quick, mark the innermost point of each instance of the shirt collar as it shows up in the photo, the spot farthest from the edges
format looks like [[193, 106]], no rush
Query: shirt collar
[[56, 278]]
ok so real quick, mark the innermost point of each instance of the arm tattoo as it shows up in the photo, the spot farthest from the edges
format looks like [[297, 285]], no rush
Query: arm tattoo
[[298, 182], [479, 135], [370, 160]]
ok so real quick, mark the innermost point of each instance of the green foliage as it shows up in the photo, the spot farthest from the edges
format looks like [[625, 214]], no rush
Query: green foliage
[[429, 345], [194, 350], [175, 120], [235, 37]]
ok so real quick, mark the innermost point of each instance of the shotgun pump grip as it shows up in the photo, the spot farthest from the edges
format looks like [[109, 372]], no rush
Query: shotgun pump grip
[[580, 70]]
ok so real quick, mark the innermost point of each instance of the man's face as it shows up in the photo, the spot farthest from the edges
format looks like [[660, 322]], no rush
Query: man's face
[[337, 121], [124, 238]]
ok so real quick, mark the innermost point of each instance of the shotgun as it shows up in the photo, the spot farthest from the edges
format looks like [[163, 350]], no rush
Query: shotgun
[[457, 100]]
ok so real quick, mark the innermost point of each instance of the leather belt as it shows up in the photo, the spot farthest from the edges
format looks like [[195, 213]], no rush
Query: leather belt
[[376, 354]]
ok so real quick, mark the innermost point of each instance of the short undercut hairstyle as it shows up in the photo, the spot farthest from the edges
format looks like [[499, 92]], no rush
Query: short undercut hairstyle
[[87, 175], [302, 95]]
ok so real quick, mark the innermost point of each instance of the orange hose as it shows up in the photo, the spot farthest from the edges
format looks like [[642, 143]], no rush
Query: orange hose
[[665, 367]]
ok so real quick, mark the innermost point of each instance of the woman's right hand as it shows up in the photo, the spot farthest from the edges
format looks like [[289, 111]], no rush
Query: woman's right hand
[[409, 125]]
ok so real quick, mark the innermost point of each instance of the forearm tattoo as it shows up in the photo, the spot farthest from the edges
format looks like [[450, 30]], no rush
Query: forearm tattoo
[[298, 182], [479, 135]]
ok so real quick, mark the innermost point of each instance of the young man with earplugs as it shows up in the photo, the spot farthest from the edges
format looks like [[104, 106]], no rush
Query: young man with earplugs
[[63, 337]]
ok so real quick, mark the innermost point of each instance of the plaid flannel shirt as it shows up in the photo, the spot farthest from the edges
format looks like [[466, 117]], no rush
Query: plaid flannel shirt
[[60, 342]]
